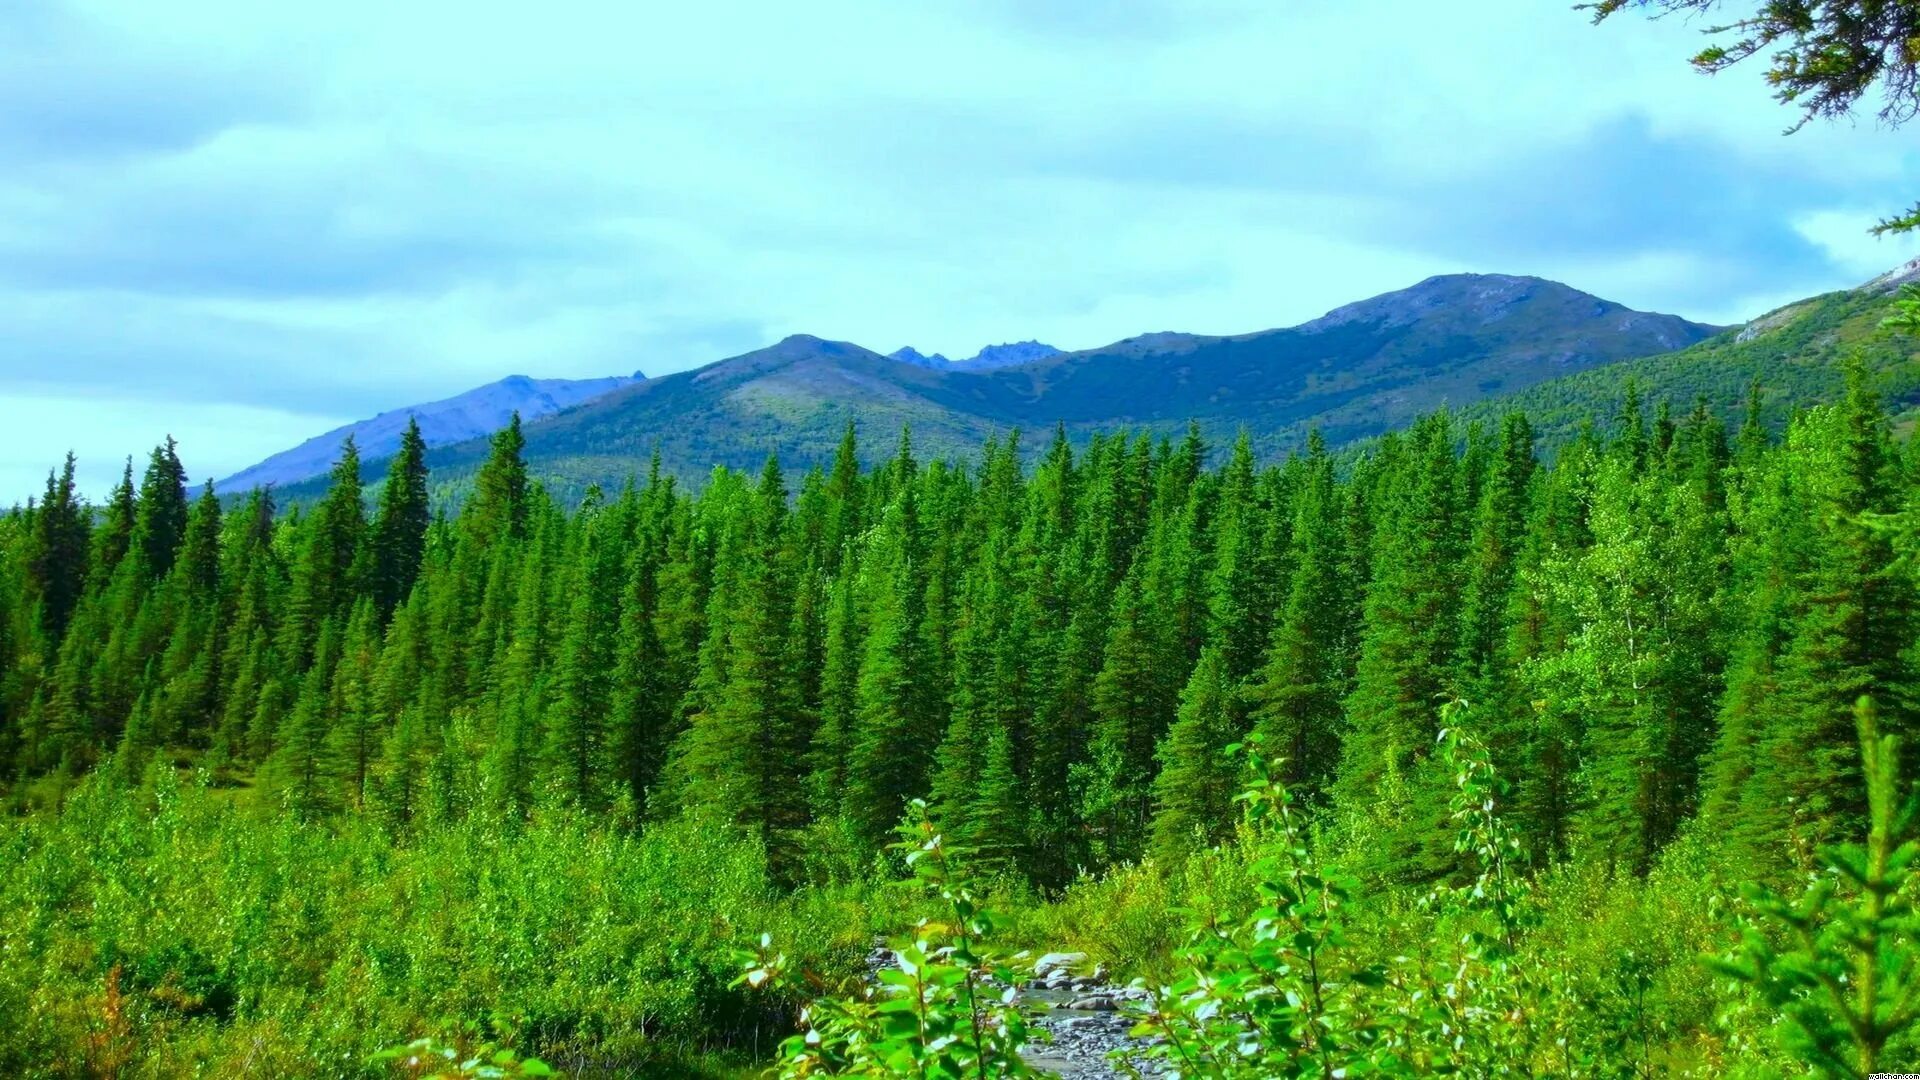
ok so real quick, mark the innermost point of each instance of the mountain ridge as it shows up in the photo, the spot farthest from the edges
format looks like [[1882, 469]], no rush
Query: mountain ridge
[[467, 415], [1356, 371]]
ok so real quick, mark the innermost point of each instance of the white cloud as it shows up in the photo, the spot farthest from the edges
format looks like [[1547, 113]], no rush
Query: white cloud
[[1844, 235], [215, 439]]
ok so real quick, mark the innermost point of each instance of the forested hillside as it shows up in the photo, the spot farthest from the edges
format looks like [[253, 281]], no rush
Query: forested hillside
[[1795, 354], [539, 767]]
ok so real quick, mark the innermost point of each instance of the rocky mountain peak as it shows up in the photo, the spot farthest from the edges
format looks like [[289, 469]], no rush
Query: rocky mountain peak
[[1481, 296]]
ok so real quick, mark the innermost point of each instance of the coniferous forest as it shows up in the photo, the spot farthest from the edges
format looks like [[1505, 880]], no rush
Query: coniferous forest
[[1575, 742], [1456, 752]]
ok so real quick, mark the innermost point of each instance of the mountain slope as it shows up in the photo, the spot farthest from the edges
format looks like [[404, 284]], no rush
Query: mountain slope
[[1356, 371], [476, 413], [1794, 353]]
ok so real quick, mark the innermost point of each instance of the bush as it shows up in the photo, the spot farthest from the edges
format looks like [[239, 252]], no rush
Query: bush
[[172, 928]]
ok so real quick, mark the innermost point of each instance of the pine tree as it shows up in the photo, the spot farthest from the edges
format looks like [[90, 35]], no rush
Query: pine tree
[[832, 743], [892, 746], [399, 535], [1193, 795], [577, 730], [161, 524], [498, 506], [57, 559], [114, 538], [304, 764], [323, 586], [1133, 702], [1296, 696]]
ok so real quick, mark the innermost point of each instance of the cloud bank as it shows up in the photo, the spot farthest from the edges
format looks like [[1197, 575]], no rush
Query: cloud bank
[[244, 225]]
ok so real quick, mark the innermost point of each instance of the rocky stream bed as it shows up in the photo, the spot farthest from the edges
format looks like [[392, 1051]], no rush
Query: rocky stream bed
[[1083, 1015]]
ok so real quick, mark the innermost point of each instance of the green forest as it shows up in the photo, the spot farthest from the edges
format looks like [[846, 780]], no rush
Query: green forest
[[1443, 756]]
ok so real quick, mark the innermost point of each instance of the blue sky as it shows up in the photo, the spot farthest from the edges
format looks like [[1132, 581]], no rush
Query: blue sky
[[245, 224]]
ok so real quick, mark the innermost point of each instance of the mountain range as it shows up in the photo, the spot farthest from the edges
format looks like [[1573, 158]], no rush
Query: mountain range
[[474, 414], [1480, 343], [993, 356], [1355, 372]]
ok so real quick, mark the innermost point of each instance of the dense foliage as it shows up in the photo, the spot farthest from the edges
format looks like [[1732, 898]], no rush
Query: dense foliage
[[326, 777]]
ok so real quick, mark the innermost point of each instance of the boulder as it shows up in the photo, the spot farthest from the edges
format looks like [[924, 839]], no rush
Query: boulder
[[1057, 961]]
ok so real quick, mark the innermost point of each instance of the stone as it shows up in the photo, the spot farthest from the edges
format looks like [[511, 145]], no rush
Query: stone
[[1057, 961]]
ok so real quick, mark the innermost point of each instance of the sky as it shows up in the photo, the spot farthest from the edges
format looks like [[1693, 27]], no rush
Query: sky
[[245, 224]]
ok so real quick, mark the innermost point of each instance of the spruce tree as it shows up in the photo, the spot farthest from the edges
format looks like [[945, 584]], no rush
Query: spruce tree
[[832, 743], [1408, 642], [1499, 530], [1851, 633], [498, 506], [577, 737], [891, 750], [1133, 702], [57, 559], [161, 523], [399, 535], [1193, 794], [114, 538], [357, 729], [1296, 695], [304, 765], [643, 695], [741, 758], [323, 585]]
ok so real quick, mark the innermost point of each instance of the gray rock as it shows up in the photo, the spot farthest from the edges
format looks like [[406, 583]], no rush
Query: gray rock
[[1058, 961]]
